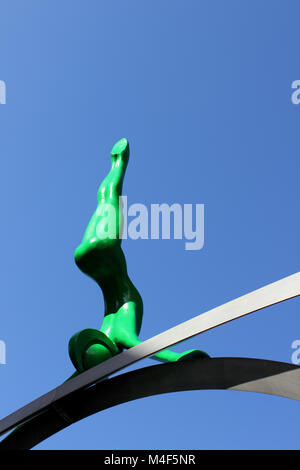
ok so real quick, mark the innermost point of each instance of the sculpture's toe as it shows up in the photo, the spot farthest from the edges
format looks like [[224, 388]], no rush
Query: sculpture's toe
[[120, 148], [193, 354]]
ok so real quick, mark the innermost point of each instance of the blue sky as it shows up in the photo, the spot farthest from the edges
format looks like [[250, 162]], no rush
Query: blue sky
[[202, 91]]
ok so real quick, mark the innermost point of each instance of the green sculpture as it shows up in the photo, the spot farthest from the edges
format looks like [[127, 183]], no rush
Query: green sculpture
[[101, 257]]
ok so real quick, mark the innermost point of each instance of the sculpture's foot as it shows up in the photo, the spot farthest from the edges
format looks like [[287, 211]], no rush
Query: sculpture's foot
[[111, 187], [90, 347], [193, 354], [122, 328], [120, 151]]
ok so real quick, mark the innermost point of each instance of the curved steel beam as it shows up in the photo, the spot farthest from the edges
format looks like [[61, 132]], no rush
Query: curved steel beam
[[266, 296], [254, 375]]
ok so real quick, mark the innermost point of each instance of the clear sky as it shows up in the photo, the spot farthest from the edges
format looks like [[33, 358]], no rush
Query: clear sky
[[202, 91]]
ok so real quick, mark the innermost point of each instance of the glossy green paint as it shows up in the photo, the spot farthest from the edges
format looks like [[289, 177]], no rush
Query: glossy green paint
[[101, 257]]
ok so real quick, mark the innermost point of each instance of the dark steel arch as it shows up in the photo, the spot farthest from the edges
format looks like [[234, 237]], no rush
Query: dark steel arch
[[257, 375]]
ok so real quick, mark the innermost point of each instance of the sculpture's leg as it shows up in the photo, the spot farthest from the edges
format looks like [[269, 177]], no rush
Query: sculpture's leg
[[100, 256], [122, 327], [97, 234]]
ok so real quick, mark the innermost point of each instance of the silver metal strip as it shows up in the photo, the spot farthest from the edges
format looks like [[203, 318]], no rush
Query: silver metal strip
[[271, 294]]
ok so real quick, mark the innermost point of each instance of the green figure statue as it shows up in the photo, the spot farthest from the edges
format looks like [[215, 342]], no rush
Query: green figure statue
[[101, 257]]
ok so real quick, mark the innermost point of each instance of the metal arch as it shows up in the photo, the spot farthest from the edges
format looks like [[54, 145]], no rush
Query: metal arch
[[245, 374], [271, 294], [266, 296]]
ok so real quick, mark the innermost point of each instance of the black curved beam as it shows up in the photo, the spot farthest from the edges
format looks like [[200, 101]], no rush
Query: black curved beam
[[257, 375]]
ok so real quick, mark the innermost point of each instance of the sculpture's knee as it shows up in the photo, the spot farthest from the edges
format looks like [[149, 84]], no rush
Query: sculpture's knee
[[97, 259], [90, 347]]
